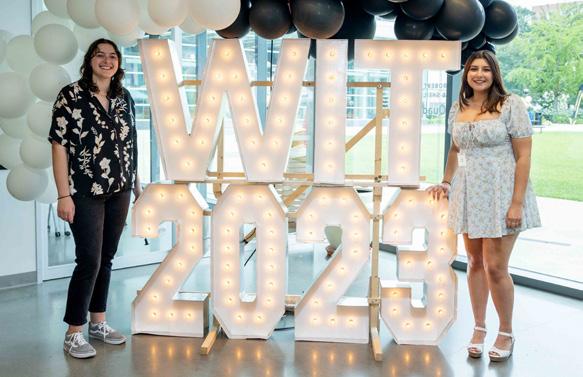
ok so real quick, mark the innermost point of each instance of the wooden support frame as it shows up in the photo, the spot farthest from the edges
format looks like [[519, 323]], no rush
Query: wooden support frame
[[303, 181]]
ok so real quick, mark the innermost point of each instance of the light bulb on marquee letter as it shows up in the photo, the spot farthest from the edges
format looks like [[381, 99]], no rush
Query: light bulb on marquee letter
[[226, 78], [159, 308], [257, 315], [406, 60], [323, 314], [430, 263], [329, 160]]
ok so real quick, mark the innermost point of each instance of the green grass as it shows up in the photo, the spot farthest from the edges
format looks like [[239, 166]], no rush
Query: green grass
[[557, 165], [556, 171], [360, 159]]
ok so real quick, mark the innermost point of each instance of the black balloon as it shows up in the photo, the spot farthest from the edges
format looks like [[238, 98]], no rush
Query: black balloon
[[408, 28], [393, 14], [478, 41], [437, 37], [421, 9], [460, 19], [317, 18], [466, 54], [240, 27], [507, 39], [357, 24], [292, 29], [489, 47], [270, 19], [485, 3], [501, 19], [378, 7]]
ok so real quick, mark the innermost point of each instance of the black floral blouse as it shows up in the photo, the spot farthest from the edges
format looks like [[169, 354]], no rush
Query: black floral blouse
[[102, 146]]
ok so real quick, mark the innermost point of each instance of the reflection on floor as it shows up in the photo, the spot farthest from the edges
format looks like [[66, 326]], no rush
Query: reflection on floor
[[548, 330]]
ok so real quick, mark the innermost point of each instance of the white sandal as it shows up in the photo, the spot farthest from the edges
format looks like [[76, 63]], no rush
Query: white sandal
[[475, 350], [497, 354]]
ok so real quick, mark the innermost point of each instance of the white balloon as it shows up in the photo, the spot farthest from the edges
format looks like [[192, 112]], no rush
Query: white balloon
[[15, 95], [87, 36], [118, 16], [3, 45], [191, 26], [146, 23], [56, 44], [36, 152], [57, 7], [168, 13], [4, 67], [47, 18], [5, 35], [83, 13], [74, 65], [215, 15], [46, 80], [39, 118], [4, 38], [21, 55], [25, 183], [51, 194], [128, 40], [9, 151], [15, 128]]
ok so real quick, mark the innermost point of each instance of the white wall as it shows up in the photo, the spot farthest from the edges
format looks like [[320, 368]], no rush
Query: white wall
[[15, 16], [17, 233], [17, 219]]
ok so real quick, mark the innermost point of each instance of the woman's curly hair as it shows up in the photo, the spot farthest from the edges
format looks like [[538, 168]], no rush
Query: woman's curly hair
[[86, 81]]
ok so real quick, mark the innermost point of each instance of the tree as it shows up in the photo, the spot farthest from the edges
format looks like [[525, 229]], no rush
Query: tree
[[547, 58]]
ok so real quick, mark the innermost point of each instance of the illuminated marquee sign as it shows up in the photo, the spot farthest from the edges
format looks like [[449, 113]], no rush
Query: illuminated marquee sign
[[323, 313]]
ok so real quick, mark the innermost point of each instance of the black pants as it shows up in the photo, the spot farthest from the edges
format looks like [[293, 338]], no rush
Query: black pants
[[97, 228]]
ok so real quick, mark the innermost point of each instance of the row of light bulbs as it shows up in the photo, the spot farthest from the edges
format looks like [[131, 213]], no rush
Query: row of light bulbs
[[227, 70]]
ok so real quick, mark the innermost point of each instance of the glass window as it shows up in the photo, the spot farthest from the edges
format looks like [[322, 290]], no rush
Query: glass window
[[539, 65]]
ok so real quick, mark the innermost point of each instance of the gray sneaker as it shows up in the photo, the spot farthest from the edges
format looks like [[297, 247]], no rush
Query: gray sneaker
[[102, 331], [76, 346]]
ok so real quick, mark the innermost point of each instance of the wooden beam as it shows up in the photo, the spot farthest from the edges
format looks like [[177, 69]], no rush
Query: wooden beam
[[375, 341], [351, 84], [218, 187], [211, 337]]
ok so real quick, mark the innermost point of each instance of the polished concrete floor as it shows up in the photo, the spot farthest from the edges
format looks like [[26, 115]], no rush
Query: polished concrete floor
[[548, 331]]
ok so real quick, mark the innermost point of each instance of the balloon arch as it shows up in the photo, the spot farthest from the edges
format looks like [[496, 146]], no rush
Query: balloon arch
[[34, 67]]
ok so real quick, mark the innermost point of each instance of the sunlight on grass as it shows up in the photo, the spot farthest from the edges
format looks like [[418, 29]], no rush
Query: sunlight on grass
[[556, 171]]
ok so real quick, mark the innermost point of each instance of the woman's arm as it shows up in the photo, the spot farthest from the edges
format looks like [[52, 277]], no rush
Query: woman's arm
[[137, 187], [522, 149], [437, 191], [451, 164], [65, 205]]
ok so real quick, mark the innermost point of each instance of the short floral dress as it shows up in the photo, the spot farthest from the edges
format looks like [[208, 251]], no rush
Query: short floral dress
[[482, 188]]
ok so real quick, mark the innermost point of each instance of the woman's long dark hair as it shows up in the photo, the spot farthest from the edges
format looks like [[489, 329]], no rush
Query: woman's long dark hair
[[86, 81], [497, 93]]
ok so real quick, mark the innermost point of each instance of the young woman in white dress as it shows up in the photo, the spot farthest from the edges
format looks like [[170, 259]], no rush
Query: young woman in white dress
[[490, 196]]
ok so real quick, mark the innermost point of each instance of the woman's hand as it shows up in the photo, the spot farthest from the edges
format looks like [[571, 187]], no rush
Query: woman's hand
[[514, 216], [137, 187], [436, 191], [66, 209], [137, 192]]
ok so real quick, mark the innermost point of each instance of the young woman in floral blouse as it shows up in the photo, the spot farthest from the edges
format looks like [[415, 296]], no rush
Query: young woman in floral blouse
[[94, 147], [490, 196]]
